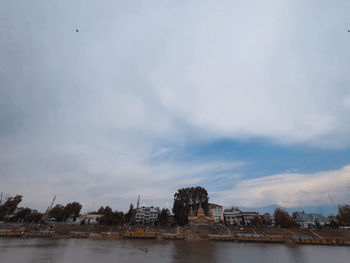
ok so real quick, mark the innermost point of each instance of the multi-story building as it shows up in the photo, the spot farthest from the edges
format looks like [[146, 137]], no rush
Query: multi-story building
[[233, 217], [216, 212], [311, 220], [147, 215], [248, 217]]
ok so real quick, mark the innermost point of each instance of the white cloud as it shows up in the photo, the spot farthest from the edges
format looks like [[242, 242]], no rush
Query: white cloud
[[82, 114], [290, 190], [265, 69]]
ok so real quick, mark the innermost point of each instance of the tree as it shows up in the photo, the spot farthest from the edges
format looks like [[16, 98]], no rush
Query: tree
[[111, 218], [57, 212], [8, 205], [163, 217], [72, 209], [130, 215], [283, 219], [61, 213], [256, 221], [266, 219], [333, 222], [34, 217], [22, 213], [295, 214], [344, 215], [189, 198]]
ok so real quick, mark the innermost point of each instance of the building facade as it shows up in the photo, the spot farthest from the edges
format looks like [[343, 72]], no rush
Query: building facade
[[216, 212], [233, 217], [248, 217], [311, 220], [147, 215]]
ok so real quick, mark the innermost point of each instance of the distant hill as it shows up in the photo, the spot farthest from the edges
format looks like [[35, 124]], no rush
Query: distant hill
[[324, 209]]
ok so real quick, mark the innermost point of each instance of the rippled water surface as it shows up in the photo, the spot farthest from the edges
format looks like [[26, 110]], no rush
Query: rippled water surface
[[87, 250]]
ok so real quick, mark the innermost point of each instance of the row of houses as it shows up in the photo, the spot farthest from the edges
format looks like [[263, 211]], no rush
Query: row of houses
[[216, 215], [233, 216]]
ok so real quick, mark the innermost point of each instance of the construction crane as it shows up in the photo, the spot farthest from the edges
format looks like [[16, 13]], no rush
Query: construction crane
[[138, 202], [336, 207], [332, 201], [49, 209]]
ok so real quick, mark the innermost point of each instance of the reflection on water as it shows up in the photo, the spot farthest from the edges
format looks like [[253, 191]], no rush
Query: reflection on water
[[85, 250]]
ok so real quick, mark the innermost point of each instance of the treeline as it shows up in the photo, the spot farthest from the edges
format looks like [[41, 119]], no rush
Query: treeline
[[10, 212], [62, 213]]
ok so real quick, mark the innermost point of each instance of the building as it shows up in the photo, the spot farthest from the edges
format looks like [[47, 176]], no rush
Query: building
[[216, 212], [147, 215], [89, 219], [248, 217], [311, 220], [233, 217], [200, 219]]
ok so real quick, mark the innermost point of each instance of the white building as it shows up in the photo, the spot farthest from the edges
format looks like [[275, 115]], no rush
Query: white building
[[89, 219], [147, 215], [233, 217], [311, 220]]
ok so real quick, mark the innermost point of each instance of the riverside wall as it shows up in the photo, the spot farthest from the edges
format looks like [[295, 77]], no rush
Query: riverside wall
[[190, 233]]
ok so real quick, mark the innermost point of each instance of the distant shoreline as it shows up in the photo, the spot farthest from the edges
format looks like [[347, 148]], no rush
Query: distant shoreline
[[190, 233]]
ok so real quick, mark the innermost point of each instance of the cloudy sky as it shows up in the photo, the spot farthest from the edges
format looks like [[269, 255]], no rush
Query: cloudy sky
[[250, 99]]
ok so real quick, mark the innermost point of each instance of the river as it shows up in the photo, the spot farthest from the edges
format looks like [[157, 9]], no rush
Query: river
[[88, 250]]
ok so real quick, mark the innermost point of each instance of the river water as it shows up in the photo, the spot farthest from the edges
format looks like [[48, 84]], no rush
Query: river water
[[88, 250]]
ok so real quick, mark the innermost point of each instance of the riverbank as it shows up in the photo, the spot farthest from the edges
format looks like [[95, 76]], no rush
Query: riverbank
[[190, 233]]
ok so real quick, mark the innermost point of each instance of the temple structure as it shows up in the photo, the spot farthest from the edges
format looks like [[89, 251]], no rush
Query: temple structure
[[200, 219]]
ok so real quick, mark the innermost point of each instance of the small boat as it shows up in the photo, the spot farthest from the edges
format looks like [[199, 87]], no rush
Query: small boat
[[140, 233], [111, 235], [172, 236], [10, 233], [260, 238], [221, 237], [313, 241], [79, 234], [343, 241], [41, 233]]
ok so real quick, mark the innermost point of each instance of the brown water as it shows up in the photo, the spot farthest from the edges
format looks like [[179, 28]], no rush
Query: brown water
[[88, 251]]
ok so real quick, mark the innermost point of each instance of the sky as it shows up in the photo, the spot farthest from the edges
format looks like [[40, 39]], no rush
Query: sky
[[249, 99]]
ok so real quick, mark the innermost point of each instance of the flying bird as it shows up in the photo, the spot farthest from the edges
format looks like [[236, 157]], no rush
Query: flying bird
[[76, 30]]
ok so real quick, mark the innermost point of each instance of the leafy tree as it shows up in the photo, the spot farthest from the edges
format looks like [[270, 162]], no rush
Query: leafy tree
[[34, 217], [266, 219], [256, 221], [189, 198], [112, 218], [72, 209], [57, 212], [295, 214], [130, 215], [333, 222], [283, 219], [344, 215], [164, 217], [22, 213], [62, 213], [9, 205]]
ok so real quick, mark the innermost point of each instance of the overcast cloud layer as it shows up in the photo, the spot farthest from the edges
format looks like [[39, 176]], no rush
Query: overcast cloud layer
[[95, 114]]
